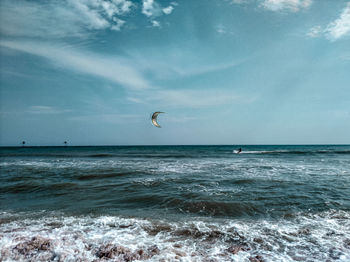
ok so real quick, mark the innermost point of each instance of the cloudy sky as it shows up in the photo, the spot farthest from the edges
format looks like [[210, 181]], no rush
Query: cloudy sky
[[225, 71]]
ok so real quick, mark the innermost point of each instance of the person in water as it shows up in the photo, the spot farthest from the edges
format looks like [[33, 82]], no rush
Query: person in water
[[239, 150]]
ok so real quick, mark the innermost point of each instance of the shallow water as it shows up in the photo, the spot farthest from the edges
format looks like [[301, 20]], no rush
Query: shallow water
[[282, 203]]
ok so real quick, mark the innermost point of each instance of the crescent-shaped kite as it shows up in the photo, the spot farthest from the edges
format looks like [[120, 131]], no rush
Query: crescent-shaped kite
[[154, 118]]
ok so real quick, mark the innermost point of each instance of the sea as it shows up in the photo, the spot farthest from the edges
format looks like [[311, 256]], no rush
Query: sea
[[175, 203]]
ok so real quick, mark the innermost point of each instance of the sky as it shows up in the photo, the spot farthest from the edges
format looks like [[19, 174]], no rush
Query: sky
[[91, 72]]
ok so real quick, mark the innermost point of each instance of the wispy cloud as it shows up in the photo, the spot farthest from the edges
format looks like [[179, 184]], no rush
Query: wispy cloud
[[224, 30], [205, 69], [341, 26], [239, 1], [115, 69], [182, 118], [64, 18], [178, 65], [278, 5], [220, 29], [168, 10], [46, 110], [289, 5], [191, 98], [152, 9], [336, 29], [155, 23], [135, 100], [108, 118], [315, 31], [71, 18], [36, 110]]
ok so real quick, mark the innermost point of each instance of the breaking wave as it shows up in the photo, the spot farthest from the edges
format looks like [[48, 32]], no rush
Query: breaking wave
[[305, 237]]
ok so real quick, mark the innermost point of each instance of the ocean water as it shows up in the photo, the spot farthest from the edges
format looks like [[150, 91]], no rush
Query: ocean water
[[175, 203]]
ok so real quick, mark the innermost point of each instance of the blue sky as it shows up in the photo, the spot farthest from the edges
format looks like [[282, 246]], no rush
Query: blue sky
[[225, 72]]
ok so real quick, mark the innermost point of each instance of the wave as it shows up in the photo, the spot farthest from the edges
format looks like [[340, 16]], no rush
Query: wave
[[296, 152], [170, 152], [36, 187], [104, 175], [100, 155], [103, 155], [216, 208], [146, 155], [304, 237]]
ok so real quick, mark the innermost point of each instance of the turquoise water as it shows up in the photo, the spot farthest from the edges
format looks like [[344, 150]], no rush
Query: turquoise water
[[282, 203]]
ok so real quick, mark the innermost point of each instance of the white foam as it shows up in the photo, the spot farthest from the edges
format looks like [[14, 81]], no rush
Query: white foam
[[308, 237]]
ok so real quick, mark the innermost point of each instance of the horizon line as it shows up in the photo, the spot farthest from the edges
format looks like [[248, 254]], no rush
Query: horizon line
[[139, 145]]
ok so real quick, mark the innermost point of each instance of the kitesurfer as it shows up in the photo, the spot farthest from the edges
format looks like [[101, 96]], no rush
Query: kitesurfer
[[239, 150]]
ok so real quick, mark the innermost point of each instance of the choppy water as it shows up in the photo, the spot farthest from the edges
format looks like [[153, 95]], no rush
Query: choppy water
[[176, 203]]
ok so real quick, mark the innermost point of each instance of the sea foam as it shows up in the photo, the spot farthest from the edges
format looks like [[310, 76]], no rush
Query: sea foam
[[305, 237]]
